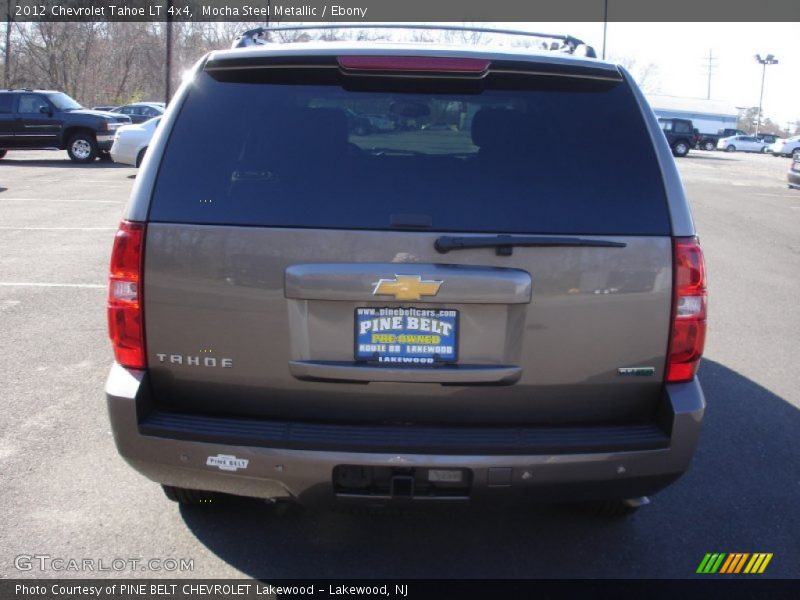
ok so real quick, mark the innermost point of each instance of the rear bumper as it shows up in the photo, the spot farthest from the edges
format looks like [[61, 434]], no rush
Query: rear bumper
[[123, 153], [577, 466]]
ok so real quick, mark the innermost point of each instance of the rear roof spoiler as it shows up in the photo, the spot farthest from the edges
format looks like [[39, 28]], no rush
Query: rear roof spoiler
[[550, 42]]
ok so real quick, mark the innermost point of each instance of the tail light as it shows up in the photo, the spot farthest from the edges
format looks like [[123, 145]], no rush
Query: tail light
[[688, 312], [125, 323]]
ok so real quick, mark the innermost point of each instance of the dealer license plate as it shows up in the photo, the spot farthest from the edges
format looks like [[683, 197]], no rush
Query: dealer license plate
[[392, 336]]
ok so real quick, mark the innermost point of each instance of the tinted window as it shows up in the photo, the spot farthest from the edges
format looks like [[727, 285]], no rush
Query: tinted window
[[63, 102], [31, 103], [683, 127], [6, 103], [503, 160]]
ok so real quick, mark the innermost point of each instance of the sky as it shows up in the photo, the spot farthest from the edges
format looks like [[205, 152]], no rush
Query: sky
[[680, 51]]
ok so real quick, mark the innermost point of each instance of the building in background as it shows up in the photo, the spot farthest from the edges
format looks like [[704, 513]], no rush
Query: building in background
[[708, 116]]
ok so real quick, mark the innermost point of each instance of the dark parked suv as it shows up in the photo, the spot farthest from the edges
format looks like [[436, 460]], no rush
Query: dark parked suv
[[681, 135], [42, 119], [300, 312]]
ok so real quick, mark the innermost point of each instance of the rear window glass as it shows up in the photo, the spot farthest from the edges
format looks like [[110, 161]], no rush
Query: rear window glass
[[549, 158]]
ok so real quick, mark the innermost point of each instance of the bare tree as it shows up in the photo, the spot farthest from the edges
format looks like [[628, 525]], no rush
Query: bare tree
[[645, 74]]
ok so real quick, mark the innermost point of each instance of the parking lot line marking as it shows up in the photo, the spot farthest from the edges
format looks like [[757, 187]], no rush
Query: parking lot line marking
[[58, 228], [120, 181], [60, 200], [65, 285], [83, 181]]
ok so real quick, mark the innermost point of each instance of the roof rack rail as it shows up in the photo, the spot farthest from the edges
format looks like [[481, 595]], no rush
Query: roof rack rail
[[558, 42]]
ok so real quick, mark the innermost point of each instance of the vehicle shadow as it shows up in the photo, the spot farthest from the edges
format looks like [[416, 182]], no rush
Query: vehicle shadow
[[710, 155], [740, 495], [62, 163]]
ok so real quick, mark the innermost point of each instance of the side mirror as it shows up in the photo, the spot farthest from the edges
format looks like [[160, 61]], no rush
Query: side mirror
[[45, 110]]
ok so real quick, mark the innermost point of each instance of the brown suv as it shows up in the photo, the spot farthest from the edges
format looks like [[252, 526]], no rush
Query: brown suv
[[301, 311]]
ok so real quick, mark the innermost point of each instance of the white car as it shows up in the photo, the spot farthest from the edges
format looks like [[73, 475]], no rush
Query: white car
[[790, 147], [743, 143], [131, 141]]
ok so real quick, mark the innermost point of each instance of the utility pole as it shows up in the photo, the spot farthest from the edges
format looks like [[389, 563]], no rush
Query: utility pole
[[709, 71], [7, 48], [168, 61], [767, 60], [605, 26]]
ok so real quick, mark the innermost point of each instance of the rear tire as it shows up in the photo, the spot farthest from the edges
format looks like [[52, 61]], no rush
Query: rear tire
[[188, 497], [680, 148], [140, 157], [730, 148], [82, 148]]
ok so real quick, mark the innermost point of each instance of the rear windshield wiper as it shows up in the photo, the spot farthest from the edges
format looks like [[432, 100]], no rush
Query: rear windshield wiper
[[505, 243]]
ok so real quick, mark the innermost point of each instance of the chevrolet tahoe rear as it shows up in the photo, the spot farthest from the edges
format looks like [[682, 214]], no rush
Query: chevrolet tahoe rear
[[453, 309]]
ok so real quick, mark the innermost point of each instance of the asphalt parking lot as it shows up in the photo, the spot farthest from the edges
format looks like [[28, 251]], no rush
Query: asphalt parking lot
[[66, 493]]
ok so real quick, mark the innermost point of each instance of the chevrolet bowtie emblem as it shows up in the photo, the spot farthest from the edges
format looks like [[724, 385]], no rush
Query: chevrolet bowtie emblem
[[406, 287]]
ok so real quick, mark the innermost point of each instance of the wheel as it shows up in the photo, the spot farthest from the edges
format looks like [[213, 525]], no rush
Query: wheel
[[2, 153], [680, 148], [140, 157], [82, 148], [709, 146], [764, 150], [730, 148], [189, 497]]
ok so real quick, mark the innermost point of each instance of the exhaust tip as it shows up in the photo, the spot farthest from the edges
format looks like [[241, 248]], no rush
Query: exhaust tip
[[636, 502]]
